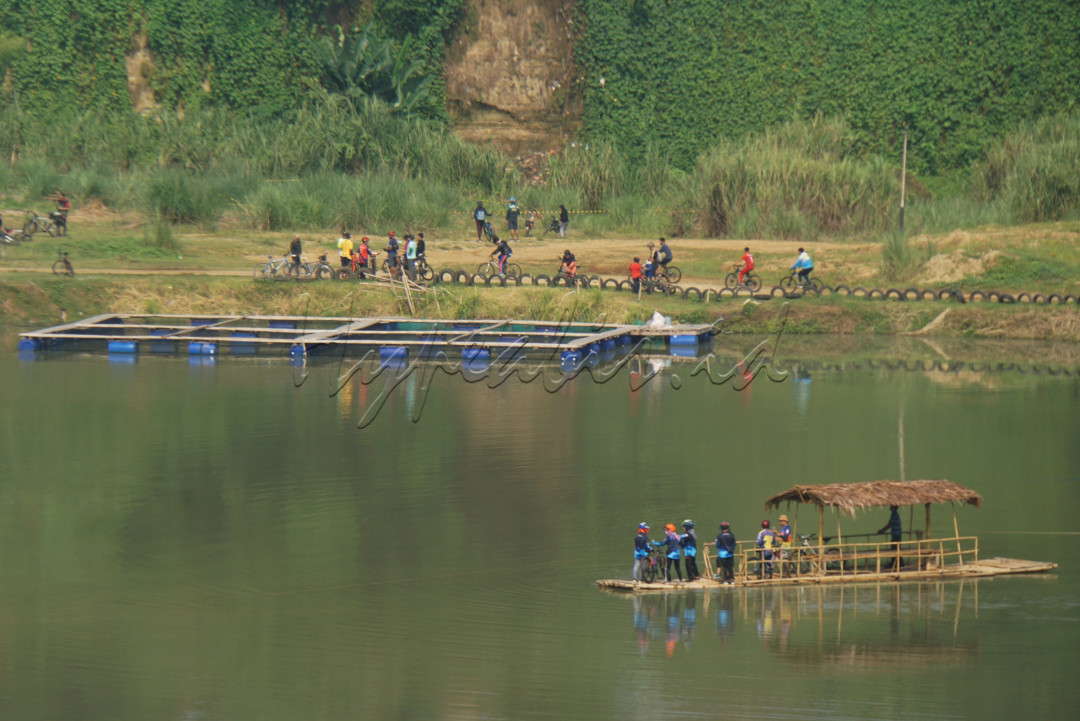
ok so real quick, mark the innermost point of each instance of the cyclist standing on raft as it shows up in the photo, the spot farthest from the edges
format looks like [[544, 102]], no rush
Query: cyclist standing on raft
[[766, 541], [673, 554], [688, 541], [642, 546], [503, 251], [784, 536], [747, 261], [804, 265], [725, 554]]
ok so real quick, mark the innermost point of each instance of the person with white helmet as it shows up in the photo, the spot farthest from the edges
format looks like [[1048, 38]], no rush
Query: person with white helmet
[[688, 540], [512, 213]]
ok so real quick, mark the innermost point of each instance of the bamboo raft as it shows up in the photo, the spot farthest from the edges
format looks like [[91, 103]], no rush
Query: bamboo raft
[[918, 558], [392, 339]]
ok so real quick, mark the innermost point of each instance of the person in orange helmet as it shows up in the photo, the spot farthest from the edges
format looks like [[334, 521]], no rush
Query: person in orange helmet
[[672, 552]]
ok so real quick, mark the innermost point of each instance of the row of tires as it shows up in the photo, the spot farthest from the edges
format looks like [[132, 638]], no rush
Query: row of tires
[[692, 293], [941, 366]]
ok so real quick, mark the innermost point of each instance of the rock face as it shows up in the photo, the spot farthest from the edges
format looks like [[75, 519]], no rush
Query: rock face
[[510, 76]]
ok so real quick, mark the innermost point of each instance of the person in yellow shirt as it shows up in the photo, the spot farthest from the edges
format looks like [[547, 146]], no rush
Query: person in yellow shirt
[[345, 247]]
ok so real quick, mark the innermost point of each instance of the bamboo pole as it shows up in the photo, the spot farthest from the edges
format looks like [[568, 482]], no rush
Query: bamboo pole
[[956, 532], [821, 540]]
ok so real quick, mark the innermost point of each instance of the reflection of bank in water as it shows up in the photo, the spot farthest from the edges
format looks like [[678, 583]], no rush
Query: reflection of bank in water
[[866, 625]]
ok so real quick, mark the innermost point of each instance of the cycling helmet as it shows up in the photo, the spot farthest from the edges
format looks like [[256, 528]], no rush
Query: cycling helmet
[[687, 523], [724, 526], [364, 239], [765, 523], [513, 199], [391, 234], [670, 527], [643, 526]]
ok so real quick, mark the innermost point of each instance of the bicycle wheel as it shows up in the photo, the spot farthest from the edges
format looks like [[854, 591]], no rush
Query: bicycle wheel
[[674, 275], [325, 272], [263, 271], [813, 284], [731, 280], [50, 228], [487, 269], [424, 271], [649, 569], [28, 229], [787, 282], [61, 267], [754, 283], [513, 270]]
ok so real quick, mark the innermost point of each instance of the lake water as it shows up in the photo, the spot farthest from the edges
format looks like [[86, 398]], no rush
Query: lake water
[[216, 540]]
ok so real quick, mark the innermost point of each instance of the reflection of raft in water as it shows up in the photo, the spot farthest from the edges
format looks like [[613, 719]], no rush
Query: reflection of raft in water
[[917, 557]]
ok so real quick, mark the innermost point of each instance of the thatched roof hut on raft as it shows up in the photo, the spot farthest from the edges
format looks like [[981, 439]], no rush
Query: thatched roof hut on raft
[[850, 497]]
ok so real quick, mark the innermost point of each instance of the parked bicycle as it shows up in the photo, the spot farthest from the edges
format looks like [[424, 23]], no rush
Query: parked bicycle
[[751, 280], [551, 227], [807, 559], [35, 223], [320, 269], [792, 282], [425, 272], [274, 267], [491, 269], [489, 234], [62, 266]]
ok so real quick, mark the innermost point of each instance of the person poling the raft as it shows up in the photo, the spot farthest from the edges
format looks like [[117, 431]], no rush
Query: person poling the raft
[[642, 546], [688, 541], [671, 541]]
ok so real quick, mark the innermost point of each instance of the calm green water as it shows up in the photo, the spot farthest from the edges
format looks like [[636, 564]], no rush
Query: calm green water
[[185, 541]]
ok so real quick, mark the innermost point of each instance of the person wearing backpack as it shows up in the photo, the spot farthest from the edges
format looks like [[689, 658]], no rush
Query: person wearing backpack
[[480, 215], [688, 541]]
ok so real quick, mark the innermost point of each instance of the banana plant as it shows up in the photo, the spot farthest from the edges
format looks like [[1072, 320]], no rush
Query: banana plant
[[364, 67]]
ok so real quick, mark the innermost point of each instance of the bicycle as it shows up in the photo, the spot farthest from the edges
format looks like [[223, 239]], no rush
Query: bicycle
[[551, 227], [62, 266], [425, 272], [320, 269], [489, 234], [807, 560], [50, 225], [751, 280], [652, 566], [570, 280], [273, 267], [669, 273], [791, 282], [490, 269]]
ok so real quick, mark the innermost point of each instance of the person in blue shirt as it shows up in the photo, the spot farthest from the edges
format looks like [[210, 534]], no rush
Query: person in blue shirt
[[725, 554], [895, 527], [512, 213], [673, 553], [767, 541], [804, 265], [642, 547], [688, 541]]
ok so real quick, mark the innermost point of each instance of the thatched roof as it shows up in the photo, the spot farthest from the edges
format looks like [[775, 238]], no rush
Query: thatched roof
[[848, 497]]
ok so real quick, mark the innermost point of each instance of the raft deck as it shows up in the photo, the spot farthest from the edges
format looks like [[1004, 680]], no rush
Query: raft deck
[[393, 338], [982, 568]]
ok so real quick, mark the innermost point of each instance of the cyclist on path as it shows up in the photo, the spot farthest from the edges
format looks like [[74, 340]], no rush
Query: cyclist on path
[[503, 251], [804, 265], [747, 261]]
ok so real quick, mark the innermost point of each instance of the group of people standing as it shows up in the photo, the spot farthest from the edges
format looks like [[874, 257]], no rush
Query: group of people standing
[[771, 543], [483, 217]]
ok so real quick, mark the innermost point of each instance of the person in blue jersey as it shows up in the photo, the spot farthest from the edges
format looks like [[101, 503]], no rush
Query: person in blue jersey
[[725, 554], [804, 265], [767, 542], [642, 546], [895, 527], [672, 552], [688, 541], [783, 535]]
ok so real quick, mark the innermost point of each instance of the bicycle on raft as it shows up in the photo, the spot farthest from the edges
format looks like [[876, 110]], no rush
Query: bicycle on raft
[[652, 566], [490, 269], [751, 280], [792, 282], [62, 266]]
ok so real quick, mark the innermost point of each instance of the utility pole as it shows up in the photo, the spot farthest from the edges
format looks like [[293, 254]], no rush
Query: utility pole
[[903, 184]]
